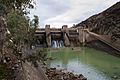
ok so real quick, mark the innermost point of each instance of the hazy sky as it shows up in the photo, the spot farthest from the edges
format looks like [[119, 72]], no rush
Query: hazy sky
[[68, 12]]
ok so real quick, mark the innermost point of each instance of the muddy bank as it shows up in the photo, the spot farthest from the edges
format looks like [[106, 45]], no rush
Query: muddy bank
[[103, 47]]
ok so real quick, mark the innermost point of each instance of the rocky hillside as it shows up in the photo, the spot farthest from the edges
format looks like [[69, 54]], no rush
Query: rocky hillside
[[106, 22]]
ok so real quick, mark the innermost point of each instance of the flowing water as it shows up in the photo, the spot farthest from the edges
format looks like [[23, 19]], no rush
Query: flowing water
[[93, 64], [57, 44]]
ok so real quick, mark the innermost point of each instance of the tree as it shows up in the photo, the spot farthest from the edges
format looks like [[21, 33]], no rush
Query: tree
[[33, 26], [22, 31], [18, 24], [21, 5]]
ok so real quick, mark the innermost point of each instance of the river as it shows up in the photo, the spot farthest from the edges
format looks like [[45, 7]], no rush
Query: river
[[92, 63]]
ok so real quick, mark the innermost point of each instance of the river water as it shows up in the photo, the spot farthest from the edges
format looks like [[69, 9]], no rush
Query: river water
[[93, 64]]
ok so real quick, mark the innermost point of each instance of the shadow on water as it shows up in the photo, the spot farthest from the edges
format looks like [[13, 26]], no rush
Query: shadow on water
[[93, 64]]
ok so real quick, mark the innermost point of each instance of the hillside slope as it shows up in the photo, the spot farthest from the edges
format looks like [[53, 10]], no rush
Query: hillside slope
[[106, 22]]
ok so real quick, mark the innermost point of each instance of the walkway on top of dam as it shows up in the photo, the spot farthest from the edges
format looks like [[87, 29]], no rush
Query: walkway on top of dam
[[73, 32]]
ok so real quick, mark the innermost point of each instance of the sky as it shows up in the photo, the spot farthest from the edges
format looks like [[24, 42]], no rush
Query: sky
[[67, 12]]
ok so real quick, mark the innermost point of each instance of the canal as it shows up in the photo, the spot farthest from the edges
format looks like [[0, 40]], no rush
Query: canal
[[93, 64]]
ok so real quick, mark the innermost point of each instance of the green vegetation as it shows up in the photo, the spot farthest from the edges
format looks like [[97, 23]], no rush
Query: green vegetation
[[17, 23], [16, 34], [21, 5], [21, 31]]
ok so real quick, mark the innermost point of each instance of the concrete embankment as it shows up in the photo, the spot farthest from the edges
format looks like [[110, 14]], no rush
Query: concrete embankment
[[104, 47], [33, 73]]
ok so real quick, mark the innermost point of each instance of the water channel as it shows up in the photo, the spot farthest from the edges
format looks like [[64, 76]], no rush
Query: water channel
[[93, 64]]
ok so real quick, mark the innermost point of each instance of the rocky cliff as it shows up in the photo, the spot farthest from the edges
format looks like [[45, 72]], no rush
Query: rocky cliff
[[106, 22]]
